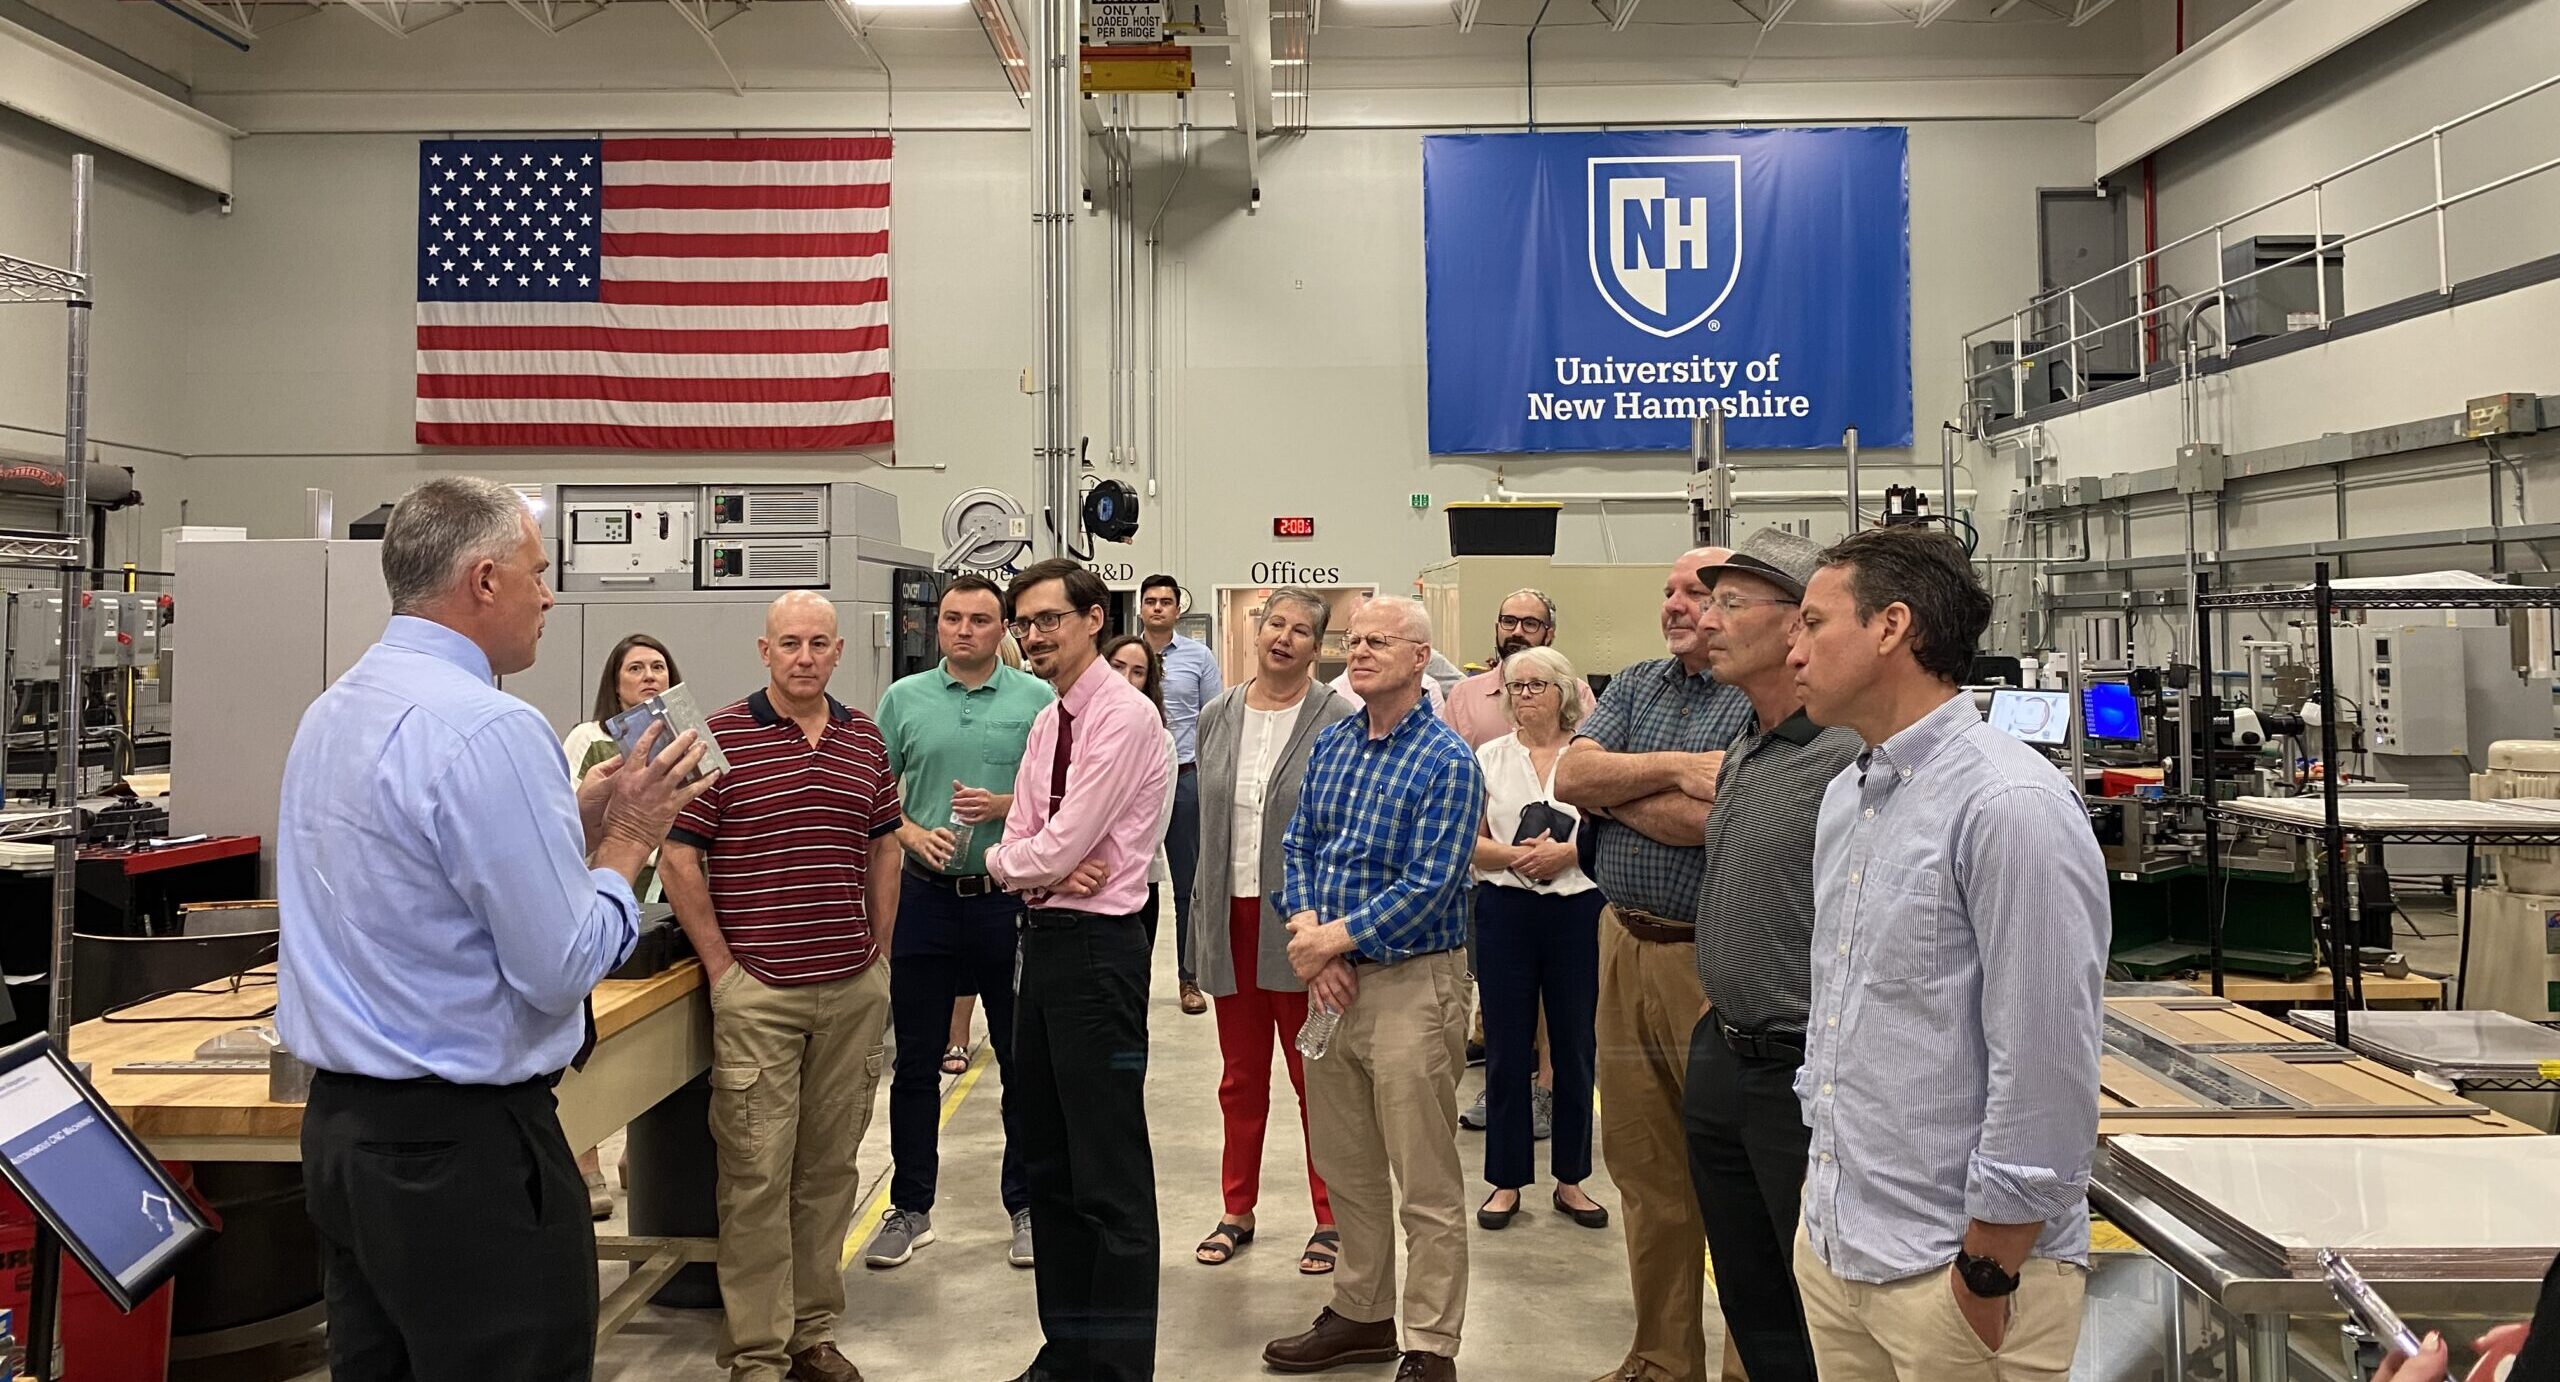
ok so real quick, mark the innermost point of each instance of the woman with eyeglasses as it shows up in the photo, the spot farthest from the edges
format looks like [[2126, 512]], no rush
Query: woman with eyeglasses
[[1254, 743], [1537, 943], [1133, 658]]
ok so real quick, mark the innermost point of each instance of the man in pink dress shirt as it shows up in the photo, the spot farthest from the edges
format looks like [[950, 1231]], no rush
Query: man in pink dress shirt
[[1525, 619], [1076, 848]]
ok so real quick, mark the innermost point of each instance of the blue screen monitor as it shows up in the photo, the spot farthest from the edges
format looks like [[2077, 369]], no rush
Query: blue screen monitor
[[2110, 714]]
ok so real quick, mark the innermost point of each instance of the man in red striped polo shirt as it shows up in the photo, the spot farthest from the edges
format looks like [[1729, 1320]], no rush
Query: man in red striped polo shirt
[[785, 876]]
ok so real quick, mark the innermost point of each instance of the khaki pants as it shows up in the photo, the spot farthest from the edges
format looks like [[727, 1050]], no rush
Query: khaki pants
[[1382, 1104], [1649, 1002], [1910, 1330], [792, 1075]]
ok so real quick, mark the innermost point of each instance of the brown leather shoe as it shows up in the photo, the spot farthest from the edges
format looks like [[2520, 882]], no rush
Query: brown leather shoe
[[1427, 1367], [823, 1363], [1194, 1001], [1334, 1342]]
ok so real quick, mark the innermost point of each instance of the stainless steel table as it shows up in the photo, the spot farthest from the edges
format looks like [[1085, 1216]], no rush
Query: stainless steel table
[[2262, 1304]]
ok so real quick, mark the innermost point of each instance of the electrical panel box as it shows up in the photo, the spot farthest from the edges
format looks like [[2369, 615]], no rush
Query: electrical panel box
[[764, 563], [2502, 415], [628, 538], [102, 619], [35, 636], [2200, 468], [2411, 691], [751, 510]]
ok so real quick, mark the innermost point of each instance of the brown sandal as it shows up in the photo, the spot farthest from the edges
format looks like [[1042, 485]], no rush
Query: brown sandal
[[1222, 1244], [1324, 1249]]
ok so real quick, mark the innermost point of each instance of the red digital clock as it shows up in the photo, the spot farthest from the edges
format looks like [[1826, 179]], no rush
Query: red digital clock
[[1293, 527]]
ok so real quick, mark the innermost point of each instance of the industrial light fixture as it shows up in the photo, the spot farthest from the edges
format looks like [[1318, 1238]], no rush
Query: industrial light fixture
[[906, 4]]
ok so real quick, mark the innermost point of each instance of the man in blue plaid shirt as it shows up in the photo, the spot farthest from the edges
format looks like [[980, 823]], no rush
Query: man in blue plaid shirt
[[1376, 893]]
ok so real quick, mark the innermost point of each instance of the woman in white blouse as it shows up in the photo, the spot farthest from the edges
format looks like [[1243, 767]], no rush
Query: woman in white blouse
[[1254, 743], [1537, 943]]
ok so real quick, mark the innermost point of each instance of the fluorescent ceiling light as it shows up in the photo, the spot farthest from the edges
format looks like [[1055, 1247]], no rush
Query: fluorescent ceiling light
[[907, 4]]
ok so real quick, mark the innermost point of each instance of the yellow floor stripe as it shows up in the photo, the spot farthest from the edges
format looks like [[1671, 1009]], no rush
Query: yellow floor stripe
[[867, 1222]]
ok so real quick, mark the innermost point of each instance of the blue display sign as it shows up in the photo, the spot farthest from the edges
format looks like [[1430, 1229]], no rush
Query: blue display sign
[[1601, 291]]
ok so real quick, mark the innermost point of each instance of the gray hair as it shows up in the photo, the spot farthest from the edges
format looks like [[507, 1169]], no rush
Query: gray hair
[[1548, 665], [441, 527], [1318, 612], [1409, 613]]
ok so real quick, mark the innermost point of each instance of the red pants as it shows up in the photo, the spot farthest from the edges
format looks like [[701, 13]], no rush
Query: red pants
[[1247, 1023]]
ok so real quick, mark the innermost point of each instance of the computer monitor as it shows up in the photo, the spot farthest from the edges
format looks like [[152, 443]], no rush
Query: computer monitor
[[2035, 717], [2109, 714]]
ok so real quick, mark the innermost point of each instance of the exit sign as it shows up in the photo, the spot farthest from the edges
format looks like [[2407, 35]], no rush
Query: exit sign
[[1293, 527]]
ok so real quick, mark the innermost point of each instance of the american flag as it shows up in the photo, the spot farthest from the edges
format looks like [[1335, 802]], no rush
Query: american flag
[[654, 294]]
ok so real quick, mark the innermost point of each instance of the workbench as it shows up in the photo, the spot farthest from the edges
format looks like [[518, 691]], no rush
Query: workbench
[[2339, 1095], [2263, 1305], [2336, 1094], [2313, 991], [653, 1036]]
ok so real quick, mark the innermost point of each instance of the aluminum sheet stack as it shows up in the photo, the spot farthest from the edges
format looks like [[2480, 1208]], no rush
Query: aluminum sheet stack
[[2451, 1046], [2400, 1208]]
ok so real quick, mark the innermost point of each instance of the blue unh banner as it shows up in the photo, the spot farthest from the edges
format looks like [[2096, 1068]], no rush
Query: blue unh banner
[[1600, 291]]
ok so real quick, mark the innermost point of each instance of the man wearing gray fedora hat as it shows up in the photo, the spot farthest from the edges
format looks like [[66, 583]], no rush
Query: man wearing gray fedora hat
[[1746, 1132]]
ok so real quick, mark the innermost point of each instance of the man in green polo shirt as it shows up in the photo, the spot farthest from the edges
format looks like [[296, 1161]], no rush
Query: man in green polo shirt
[[955, 739]]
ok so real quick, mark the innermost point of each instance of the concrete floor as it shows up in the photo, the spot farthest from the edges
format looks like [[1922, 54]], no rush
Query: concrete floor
[[1548, 1300]]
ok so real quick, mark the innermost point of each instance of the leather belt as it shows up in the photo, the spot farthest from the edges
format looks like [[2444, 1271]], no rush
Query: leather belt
[[1361, 958], [1180, 768], [1645, 926], [1774, 1046], [1057, 918], [958, 885]]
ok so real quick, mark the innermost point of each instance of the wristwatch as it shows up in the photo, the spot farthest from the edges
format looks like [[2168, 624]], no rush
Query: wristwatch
[[1984, 1276]]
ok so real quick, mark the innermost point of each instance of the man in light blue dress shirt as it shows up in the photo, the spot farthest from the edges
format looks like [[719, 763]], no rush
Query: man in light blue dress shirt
[[1959, 944], [441, 930], [1191, 680]]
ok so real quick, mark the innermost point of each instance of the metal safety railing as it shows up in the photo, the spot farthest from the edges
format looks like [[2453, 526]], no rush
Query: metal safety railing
[[2026, 338]]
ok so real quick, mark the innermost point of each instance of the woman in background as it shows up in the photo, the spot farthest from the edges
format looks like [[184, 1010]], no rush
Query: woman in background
[[1130, 656], [1537, 942], [639, 668]]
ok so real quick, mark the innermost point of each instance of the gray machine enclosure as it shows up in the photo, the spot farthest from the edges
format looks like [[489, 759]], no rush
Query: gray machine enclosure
[[268, 624]]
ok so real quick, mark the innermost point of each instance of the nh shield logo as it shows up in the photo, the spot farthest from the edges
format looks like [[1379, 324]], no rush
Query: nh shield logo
[[1666, 237]]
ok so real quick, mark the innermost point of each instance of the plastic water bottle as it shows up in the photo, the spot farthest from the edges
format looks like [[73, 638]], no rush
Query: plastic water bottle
[[1315, 1036]]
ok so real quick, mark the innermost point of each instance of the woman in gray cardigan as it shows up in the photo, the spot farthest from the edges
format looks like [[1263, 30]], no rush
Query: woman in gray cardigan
[[1254, 742]]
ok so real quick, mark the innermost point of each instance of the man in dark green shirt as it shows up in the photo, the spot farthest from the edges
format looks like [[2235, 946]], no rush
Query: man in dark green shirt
[[955, 737]]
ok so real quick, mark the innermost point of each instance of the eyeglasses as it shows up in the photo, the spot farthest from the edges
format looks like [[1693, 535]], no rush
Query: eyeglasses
[[1735, 604], [1523, 688], [1045, 623], [1525, 623], [1377, 642]]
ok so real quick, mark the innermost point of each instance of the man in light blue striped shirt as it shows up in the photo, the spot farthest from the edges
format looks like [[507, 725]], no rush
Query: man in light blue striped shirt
[[1191, 680], [1959, 943]]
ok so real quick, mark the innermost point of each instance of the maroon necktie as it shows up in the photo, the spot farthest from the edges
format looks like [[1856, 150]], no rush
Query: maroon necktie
[[1058, 763]]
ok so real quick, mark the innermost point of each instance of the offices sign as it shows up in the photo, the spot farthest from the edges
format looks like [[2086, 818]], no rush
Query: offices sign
[[1600, 291]]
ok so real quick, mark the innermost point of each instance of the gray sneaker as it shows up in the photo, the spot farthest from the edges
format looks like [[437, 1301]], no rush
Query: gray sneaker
[[1542, 1113], [1020, 1253], [1475, 1116], [901, 1233]]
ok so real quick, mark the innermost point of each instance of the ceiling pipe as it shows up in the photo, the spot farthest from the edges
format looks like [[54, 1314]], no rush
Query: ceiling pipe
[[1155, 303]]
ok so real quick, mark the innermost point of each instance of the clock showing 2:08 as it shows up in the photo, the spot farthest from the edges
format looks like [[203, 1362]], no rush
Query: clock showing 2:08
[[1293, 527]]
